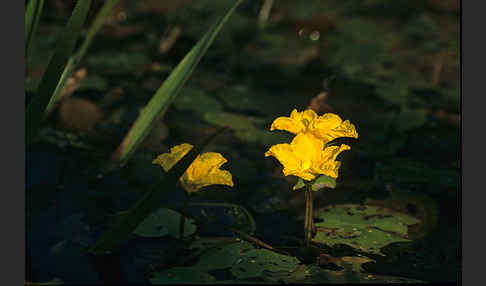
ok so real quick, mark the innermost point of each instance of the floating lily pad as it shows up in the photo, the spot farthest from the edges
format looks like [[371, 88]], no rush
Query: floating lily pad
[[182, 275], [244, 260], [257, 262], [318, 184], [418, 204], [350, 275], [366, 228], [198, 100], [224, 256], [299, 275], [164, 222]]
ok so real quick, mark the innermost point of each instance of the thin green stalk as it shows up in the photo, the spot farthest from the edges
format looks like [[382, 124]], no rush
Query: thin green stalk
[[308, 223]]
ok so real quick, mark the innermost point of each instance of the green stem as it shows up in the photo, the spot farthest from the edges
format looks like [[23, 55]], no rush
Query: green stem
[[183, 216], [308, 223]]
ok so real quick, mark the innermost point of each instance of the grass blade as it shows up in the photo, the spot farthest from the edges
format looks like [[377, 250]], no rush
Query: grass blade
[[75, 59], [125, 224], [32, 16], [55, 68], [165, 95]]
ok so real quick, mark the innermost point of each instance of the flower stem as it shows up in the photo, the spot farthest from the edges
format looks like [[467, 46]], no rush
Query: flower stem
[[183, 216], [308, 223]]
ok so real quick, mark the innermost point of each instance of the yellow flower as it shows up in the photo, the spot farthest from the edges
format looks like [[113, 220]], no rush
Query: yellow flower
[[305, 157], [204, 170], [326, 127]]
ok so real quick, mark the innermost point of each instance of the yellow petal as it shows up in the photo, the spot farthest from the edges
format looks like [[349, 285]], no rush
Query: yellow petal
[[168, 160], [286, 124], [204, 171], [327, 164], [330, 126], [285, 155], [307, 147], [308, 116], [298, 156], [327, 121], [297, 122]]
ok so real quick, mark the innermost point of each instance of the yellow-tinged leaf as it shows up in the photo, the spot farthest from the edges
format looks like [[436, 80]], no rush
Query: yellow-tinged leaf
[[203, 171]]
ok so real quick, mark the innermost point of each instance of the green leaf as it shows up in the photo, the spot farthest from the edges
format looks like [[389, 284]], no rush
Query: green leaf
[[166, 94], [32, 16], [425, 208], [351, 274], [366, 228], [75, 59], [55, 69], [223, 257], [164, 222], [318, 184], [124, 225], [181, 275], [244, 260], [257, 262]]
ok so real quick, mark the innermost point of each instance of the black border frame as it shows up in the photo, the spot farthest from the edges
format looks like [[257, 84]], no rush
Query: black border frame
[[12, 217], [472, 50]]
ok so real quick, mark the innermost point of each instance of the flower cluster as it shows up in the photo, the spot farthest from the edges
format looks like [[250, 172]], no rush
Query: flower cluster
[[305, 156]]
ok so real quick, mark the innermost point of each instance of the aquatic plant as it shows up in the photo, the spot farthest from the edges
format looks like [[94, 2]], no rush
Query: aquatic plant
[[307, 156]]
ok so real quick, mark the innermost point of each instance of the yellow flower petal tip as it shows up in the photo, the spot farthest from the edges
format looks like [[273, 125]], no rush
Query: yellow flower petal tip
[[325, 127], [203, 171]]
